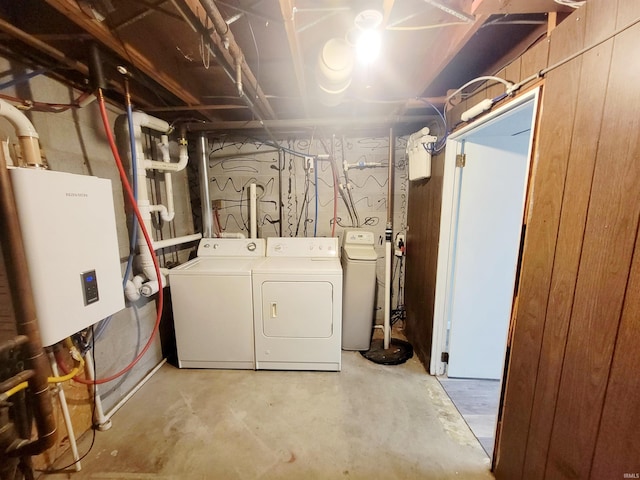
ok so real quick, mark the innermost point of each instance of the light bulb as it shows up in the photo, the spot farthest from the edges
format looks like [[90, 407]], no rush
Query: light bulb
[[368, 46]]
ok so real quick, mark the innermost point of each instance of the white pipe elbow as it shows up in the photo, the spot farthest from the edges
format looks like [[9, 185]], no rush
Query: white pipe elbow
[[21, 124], [165, 214], [132, 291], [143, 120], [151, 288]]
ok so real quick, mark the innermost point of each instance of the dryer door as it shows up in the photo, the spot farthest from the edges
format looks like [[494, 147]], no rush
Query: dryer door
[[297, 309]]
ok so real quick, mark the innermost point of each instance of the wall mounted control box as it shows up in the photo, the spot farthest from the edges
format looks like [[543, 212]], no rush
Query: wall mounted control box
[[68, 227]]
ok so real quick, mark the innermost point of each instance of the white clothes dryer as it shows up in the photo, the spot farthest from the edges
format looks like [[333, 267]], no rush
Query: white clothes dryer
[[213, 304], [297, 298]]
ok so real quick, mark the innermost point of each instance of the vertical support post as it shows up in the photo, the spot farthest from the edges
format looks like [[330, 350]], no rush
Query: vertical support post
[[388, 240]]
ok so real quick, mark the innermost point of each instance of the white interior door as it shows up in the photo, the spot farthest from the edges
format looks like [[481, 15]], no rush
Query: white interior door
[[489, 223], [480, 229]]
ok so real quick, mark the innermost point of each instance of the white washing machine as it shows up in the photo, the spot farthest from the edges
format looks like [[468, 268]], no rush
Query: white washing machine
[[297, 298], [213, 304]]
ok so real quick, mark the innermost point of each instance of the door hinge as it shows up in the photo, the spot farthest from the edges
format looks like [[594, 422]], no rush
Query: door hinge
[[461, 160], [444, 357]]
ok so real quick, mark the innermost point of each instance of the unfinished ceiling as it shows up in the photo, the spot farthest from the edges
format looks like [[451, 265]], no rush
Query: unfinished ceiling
[[241, 60]]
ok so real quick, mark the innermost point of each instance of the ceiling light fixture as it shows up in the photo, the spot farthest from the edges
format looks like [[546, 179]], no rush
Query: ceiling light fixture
[[368, 46], [369, 39]]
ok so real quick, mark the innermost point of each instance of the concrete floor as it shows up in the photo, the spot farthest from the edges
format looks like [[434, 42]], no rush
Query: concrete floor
[[366, 422]]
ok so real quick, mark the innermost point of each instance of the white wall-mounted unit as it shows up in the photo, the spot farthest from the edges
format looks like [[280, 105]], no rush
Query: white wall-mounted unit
[[419, 156], [69, 229]]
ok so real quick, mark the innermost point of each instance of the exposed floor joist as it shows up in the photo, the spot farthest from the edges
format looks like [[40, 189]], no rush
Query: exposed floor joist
[[72, 11], [225, 48], [286, 6]]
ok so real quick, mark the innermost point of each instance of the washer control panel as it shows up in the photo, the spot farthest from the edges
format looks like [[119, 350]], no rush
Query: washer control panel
[[319, 247], [232, 247]]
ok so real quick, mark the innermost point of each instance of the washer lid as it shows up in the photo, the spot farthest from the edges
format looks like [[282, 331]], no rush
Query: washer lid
[[220, 266], [359, 252], [299, 266]]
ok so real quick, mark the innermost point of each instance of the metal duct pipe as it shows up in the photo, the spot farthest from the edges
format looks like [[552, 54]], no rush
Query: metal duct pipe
[[205, 199], [26, 321]]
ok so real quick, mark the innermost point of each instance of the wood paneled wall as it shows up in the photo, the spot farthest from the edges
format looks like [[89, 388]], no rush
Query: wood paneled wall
[[423, 220], [571, 408]]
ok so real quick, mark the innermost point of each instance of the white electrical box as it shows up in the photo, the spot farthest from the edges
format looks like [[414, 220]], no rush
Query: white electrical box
[[419, 156], [69, 231]]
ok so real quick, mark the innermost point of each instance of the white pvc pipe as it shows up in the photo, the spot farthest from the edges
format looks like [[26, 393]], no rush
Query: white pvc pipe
[[170, 242], [387, 294], [21, 124], [363, 165], [99, 419], [162, 166], [253, 208], [131, 291], [133, 391], [27, 135], [62, 399], [168, 182], [143, 120]]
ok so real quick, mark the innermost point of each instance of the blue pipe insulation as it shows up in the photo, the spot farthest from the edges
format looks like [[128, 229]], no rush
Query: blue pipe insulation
[[134, 184], [22, 78]]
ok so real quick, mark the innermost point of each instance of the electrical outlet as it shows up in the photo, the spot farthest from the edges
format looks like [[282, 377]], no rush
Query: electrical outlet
[[309, 163], [400, 245], [217, 204]]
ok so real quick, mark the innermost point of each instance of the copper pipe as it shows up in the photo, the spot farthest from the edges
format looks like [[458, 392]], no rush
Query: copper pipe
[[16, 380], [13, 344], [26, 320]]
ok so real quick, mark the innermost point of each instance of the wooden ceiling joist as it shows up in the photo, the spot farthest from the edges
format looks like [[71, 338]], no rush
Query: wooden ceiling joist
[[98, 30], [446, 48], [229, 53], [286, 7]]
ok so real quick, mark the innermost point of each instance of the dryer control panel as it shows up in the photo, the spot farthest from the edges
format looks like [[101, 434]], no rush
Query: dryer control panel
[[302, 247]]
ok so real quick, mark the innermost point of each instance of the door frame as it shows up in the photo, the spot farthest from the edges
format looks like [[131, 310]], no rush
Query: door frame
[[452, 183]]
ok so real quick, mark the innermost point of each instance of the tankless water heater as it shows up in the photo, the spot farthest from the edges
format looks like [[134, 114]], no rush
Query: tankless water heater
[[69, 232]]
